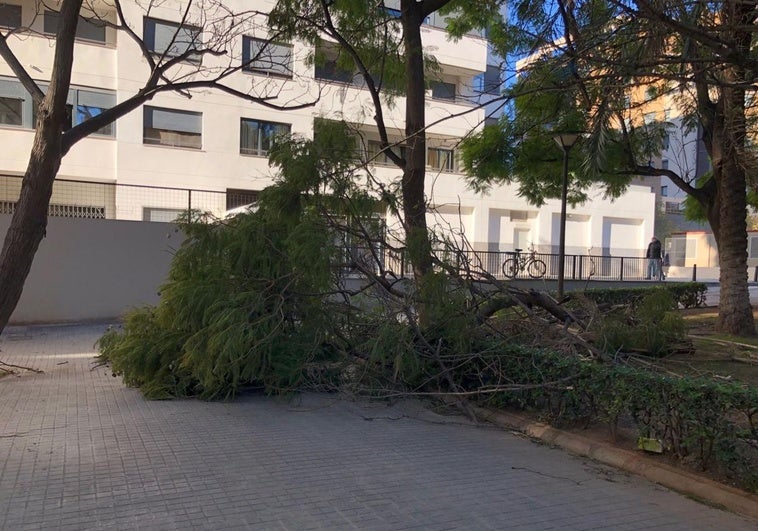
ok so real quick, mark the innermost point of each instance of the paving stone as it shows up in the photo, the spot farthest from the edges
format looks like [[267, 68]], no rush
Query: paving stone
[[78, 450]]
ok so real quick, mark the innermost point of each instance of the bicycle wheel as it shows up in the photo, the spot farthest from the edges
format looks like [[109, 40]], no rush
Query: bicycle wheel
[[536, 269], [510, 268]]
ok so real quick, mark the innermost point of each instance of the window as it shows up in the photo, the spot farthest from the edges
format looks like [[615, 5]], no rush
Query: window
[[378, 156], [440, 159], [327, 67], [86, 104], [15, 104], [666, 141], [673, 207], [753, 249], [664, 191], [237, 197], [491, 80], [88, 29], [330, 71], [443, 91], [169, 127], [172, 39], [256, 136], [11, 111], [10, 16], [664, 164], [264, 56], [162, 215]]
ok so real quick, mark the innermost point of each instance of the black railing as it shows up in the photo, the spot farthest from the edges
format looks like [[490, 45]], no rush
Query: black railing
[[490, 263]]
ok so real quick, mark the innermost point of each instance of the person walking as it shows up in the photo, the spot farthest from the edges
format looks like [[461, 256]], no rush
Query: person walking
[[654, 259]]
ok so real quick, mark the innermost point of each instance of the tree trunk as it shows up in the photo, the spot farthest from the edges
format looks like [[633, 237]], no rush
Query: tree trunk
[[735, 311], [29, 219], [414, 202]]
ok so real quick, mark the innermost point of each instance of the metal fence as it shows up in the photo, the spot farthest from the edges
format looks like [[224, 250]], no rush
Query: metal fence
[[490, 263], [97, 200], [100, 200]]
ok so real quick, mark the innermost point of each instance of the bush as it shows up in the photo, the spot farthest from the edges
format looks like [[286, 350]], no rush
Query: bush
[[696, 419], [684, 294], [649, 326]]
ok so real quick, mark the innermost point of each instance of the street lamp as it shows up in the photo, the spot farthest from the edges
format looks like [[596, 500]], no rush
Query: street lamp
[[566, 141]]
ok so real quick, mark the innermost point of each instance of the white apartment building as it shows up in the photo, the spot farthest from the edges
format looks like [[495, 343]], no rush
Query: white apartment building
[[216, 144]]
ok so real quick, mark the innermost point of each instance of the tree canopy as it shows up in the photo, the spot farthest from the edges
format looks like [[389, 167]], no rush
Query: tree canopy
[[600, 67]]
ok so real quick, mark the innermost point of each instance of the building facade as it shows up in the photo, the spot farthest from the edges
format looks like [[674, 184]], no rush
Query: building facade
[[209, 151]]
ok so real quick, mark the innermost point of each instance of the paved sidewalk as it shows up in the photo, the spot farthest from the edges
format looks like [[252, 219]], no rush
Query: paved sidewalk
[[78, 450]]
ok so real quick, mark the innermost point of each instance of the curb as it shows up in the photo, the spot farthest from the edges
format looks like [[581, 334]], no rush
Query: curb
[[704, 489]]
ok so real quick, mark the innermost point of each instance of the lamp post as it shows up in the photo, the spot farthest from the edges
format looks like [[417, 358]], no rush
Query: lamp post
[[566, 141]]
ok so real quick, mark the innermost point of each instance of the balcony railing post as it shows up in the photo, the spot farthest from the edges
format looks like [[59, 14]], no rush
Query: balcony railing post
[[189, 200], [573, 267], [621, 271]]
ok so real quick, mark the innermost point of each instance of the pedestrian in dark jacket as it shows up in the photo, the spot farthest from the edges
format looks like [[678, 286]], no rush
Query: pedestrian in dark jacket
[[654, 258]]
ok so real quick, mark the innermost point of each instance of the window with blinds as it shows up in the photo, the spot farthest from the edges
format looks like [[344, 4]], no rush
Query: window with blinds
[[10, 16], [172, 128], [87, 29], [171, 39], [262, 56]]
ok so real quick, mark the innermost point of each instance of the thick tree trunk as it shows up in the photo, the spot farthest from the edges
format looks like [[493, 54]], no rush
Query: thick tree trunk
[[735, 311], [29, 220], [414, 202]]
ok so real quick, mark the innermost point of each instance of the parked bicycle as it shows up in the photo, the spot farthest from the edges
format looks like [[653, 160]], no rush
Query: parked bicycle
[[533, 266]]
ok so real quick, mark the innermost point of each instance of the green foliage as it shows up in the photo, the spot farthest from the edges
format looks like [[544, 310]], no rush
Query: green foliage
[[522, 148], [650, 327], [684, 294], [366, 36], [242, 305], [709, 422]]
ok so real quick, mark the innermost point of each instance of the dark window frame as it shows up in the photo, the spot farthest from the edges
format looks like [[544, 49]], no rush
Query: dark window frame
[[449, 164], [10, 15], [238, 197], [249, 65], [50, 27], [153, 141], [149, 25], [262, 125], [444, 90]]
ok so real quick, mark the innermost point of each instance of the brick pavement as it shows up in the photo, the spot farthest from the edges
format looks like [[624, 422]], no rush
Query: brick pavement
[[78, 450]]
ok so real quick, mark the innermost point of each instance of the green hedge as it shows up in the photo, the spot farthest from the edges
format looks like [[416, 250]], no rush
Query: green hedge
[[685, 294], [701, 420]]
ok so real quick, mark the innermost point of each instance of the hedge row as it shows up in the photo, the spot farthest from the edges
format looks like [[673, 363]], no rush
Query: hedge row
[[685, 294], [700, 420]]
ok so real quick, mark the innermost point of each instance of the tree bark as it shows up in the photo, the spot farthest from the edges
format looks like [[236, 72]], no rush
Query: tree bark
[[735, 311], [726, 143], [29, 221], [414, 172]]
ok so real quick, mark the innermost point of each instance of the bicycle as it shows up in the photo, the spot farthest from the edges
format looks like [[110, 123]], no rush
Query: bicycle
[[535, 267]]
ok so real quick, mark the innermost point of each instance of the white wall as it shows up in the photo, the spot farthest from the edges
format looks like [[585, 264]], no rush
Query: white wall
[[87, 269]]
